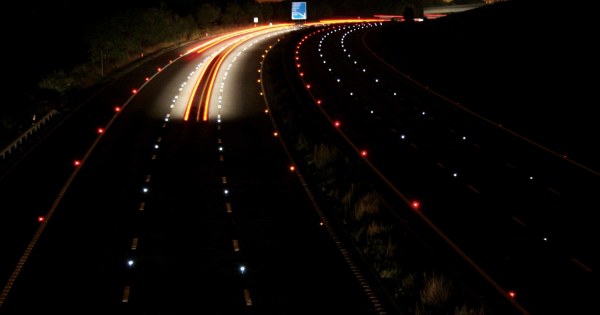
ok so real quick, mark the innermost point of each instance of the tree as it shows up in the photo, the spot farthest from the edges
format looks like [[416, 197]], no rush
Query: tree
[[57, 81], [409, 14], [207, 15], [234, 15], [266, 10]]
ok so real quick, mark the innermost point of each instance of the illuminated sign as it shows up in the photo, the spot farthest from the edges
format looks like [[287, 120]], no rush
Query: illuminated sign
[[298, 10]]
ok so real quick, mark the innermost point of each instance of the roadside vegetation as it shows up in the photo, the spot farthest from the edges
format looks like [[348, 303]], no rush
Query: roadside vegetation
[[123, 40], [129, 36], [419, 273], [414, 274]]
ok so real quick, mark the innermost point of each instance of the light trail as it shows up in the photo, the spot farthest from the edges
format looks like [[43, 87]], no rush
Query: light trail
[[344, 21], [215, 71], [212, 42], [211, 69], [188, 107]]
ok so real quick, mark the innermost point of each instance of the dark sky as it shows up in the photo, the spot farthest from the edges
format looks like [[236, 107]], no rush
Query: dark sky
[[40, 36], [43, 32], [43, 35]]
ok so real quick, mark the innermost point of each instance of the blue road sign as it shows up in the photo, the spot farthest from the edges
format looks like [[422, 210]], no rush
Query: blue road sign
[[298, 10]]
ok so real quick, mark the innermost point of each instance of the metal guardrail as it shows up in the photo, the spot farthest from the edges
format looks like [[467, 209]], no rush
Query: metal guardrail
[[15, 144]]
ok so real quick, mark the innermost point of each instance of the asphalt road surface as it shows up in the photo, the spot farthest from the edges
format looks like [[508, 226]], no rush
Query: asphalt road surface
[[168, 215], [510, 206]]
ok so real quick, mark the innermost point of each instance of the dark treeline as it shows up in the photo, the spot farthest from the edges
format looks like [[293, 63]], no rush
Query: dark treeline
[[74, 46], [77, 44]]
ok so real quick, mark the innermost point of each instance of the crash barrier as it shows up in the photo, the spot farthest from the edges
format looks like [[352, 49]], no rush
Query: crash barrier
[[15, 144]]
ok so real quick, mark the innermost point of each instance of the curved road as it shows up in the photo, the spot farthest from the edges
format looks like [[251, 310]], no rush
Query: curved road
[[512, 209], [146, 202]]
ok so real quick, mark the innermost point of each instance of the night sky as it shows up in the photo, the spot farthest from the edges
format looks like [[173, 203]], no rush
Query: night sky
[[49, 31], [44, 35]]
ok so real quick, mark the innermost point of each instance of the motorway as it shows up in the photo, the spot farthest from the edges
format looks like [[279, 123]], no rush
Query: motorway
[[167, 192], [518, 213], [181, 206]]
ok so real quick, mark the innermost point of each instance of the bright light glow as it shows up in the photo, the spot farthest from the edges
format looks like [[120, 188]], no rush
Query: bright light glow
[[415, 205], [202, 47], [208, 76], [335, 21]]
